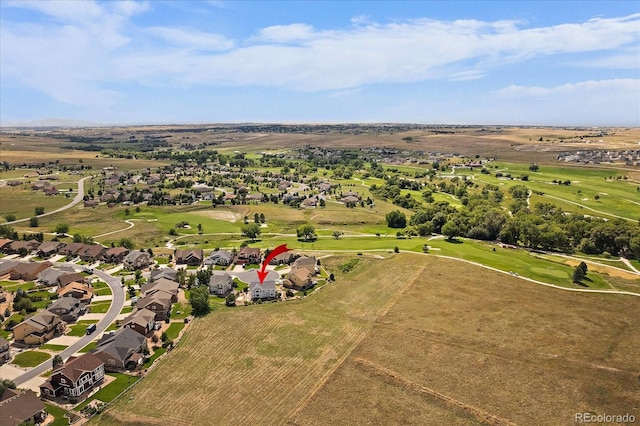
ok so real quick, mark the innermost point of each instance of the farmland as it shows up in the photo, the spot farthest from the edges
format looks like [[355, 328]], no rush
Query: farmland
[[455, 314], [399, 332]]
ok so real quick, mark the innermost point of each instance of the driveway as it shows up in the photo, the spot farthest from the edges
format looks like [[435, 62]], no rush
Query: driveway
[[109, 317]]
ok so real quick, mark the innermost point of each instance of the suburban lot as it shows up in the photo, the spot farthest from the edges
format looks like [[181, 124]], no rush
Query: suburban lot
[[423, 340]]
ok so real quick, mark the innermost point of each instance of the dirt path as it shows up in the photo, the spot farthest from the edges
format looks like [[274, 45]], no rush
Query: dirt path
[[129, 221]]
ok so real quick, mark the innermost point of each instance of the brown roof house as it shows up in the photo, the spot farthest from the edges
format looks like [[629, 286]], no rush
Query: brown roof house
[[299, 279], [159, 302], [28, 271], [192, 257], [141, 321], [115, 254], [77, 376], [17, 407], [38, 329], [248, 255], [91, 253], [77, 290], [167, 286], [121, 349], [49, 248]]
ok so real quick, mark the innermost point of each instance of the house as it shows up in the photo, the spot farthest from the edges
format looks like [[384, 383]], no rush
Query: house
[[5, 242], [136, 260], [16, 247], [28, 271], [121, 349], [72, 249], [141, 321], [91, 253], [49, 276], [158, 302], [5, 353], [68, 309], [191, 257], [168, 273], [91, 203], [70, 277], [248, 255], [283, 258], [306, 262], [18, 407], [49, 248], [266, 290], [309, 202], [350, 199], [220, 285], [219, 257], [299, 278], [38, 329], [167, 286], [77, 290], [115, 254], [7, 266], [77, 376]]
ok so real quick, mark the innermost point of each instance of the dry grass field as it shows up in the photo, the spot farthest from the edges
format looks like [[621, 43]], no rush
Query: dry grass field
[[408, 339]]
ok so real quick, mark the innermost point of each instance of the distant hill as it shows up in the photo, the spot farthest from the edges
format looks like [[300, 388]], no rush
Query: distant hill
[[51, 122]]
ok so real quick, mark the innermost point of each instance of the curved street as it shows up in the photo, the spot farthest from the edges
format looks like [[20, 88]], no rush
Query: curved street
[[116, 306], [77, 199]]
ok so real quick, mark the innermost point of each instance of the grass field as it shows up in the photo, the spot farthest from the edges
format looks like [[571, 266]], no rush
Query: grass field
[[58, 414], [30, 358], [112, 390], [174, 330], [79, 329], [99, 307], [400, 333]]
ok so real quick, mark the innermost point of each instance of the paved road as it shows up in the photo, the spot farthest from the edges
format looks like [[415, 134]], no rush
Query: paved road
[[78, 198], [110, 316]]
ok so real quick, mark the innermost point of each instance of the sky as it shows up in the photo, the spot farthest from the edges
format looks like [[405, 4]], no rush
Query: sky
[[451, 62]]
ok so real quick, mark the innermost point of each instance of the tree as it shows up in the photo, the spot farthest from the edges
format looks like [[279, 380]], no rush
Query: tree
[[39, 210], [200, 228], [10, 217], [173, 232], [164, 337], [262, 218], [33, 222], [396, 249], [306, 231], [578, 274], [584, 268], [127, 212], [534, 167], [138, 276], [150, 252], [425, 248], [332, 277], [57, 360], [322, 203], [62, 228], [251, 231], [450, 229], [6, 384], [256, 218], [336, 234], [230, 299], [396, 219], [199, 300], [126, 243]]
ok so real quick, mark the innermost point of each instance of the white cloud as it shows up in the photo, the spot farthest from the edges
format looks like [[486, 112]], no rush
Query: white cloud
[[286, 33], [191, 39], [617, 86], [92, 45]]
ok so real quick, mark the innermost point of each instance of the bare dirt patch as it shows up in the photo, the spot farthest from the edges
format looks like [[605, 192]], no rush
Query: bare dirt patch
[[225, 215]]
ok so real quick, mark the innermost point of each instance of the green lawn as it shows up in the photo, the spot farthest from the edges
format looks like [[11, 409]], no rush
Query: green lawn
[[80, 328], [174, 330], [15, 286], [99, 307], [30, 358], [109, 392], [157, 353], [183, 308], [241, 285], [87, 348], [55, 348], [126, 309], [103, 292], [58, 414], [112, 327]]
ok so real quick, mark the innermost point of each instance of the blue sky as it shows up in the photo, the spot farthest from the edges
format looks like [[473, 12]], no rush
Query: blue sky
[[449, 62]]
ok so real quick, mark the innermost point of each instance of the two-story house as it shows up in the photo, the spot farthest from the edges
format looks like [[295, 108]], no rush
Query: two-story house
[[38, 329], [266, 290], [76, 377], [220, 285], [142, 321]]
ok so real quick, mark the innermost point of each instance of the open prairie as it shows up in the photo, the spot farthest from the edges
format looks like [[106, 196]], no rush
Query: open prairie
[[407, 339]]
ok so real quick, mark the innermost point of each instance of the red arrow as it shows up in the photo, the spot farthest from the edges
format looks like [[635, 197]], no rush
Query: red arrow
[[273, 253]]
